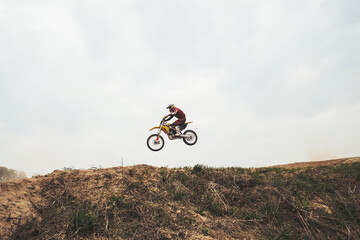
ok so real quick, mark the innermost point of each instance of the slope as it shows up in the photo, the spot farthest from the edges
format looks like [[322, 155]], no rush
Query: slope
[[145, 202]]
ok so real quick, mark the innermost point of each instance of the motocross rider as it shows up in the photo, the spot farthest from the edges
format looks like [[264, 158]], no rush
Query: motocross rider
[[179, 114]]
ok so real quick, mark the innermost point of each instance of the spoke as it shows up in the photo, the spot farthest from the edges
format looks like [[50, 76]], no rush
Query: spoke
[[156, 142]]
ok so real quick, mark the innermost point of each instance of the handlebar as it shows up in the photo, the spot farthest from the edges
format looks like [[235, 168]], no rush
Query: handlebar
[[167, 118]]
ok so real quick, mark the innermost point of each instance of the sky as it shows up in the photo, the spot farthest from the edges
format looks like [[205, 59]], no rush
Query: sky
[[264, 82]]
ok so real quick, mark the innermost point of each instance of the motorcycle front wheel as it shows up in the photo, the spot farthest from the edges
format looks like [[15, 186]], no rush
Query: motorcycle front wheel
[[190, 137], [155, 143]]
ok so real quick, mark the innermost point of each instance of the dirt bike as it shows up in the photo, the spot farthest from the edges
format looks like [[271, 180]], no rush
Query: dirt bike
[[156, 142]]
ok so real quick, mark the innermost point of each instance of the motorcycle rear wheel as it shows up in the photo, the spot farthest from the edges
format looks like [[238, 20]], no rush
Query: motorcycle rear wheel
[[153, 144], [190, 138]]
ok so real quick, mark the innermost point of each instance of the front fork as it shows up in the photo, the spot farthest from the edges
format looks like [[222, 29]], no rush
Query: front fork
[[158, 134]]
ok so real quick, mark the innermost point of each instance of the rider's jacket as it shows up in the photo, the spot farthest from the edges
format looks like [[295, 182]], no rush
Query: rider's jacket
[[176, 112]]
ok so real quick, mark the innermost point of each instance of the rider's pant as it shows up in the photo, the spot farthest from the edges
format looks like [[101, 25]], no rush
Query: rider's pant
[[180, 123]]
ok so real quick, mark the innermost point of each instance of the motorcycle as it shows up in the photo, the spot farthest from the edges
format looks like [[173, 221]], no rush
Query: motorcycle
[[156, 142]]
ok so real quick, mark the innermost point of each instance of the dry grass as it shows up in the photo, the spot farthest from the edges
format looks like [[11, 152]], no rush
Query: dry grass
[[144, 202]]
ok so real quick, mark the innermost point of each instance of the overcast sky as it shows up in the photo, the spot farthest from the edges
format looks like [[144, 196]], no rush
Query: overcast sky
[[265, 82]]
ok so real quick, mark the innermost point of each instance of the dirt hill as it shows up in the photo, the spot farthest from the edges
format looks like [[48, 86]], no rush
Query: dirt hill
[[312, 200], [319, 163]]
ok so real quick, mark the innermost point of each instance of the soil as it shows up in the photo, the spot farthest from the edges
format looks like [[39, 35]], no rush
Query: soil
[[22, 200]]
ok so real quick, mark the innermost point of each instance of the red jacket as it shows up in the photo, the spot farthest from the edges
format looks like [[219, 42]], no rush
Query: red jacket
[[178, 113]]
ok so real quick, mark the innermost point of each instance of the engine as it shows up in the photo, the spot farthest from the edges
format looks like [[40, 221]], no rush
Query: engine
[[171, 134]]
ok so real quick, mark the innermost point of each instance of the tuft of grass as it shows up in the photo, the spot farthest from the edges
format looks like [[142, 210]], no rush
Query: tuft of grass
[[253, 214], [85, 220], [286, 232], [200, 211], [179, 195], [182, 177], [66, 200], [278, 170], [257, 178], [133, 185], [238, 170], [161, 217], [121, 203], [214, 208], [108, 175], [270, 209], [278, 181], [198, 168], [205, 231]]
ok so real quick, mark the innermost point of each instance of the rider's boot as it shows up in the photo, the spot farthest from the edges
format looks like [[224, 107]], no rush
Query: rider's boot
[[177, 128]]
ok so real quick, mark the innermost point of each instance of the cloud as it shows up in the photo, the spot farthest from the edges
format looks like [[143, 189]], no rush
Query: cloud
[[265, 83]]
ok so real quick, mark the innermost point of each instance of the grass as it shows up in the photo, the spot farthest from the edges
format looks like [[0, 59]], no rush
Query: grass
[[179, 195], [257, 178], [286, 232], [182, 177], [85, 220], [134, 185], [198, 168], [350, 170], [272, 203], [108, 175], [205, 231], [121, 203]]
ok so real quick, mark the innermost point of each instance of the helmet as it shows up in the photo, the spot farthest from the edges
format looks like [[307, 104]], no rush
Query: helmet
[[171, 106]]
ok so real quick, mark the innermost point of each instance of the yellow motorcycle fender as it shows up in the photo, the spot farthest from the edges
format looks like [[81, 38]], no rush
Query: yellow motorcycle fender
[[165, 129], [153, 128]]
